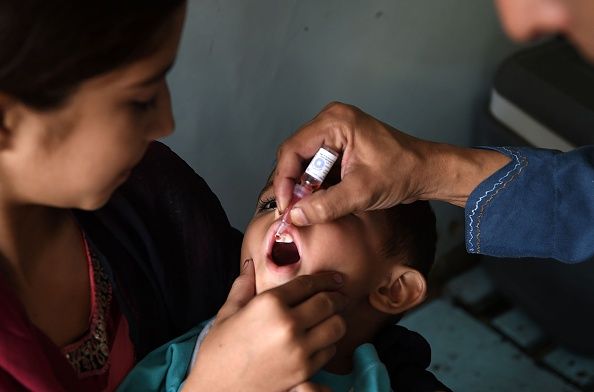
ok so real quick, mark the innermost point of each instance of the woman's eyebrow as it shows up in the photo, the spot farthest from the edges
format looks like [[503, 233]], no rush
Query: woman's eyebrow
[[156, 77]]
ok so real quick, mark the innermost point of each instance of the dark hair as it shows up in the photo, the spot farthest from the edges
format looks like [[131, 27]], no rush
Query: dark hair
[[412, 235], [49, 47]]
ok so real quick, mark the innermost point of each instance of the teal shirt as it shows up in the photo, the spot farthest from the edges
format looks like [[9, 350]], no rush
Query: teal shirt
[[166, 368], [369, 374]]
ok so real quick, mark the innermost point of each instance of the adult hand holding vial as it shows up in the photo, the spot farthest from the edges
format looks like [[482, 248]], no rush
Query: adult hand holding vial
[[311, 180]]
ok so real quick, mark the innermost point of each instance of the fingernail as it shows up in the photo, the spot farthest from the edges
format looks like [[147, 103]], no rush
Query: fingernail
[[338, 278], [245, 264], [298, 217]]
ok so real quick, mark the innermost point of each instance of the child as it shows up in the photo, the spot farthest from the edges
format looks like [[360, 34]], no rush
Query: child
[[385, 256]]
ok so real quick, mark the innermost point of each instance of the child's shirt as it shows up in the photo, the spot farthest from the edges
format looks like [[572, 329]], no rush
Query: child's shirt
[[165, 369], [369, 374]]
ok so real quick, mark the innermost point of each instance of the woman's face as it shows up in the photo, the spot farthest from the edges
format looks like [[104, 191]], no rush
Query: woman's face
[[77, 155], [526, 19]]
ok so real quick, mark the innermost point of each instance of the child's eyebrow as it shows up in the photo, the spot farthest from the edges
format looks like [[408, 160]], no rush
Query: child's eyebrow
[[265, 189]]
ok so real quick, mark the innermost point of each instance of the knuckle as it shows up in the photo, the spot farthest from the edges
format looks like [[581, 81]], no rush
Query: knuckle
[[301, 374], [327, 302], [302, 367], [308, 370], [285, 328], [321, 210], [288, 329], [333, 106], [299, 359], [363, 200], [302, 356], [342, 110], [333, 330], [281, 149], [338, 327]]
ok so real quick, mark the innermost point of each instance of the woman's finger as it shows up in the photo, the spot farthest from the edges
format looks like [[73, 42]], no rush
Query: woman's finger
[[290, 159], [352, 194], [242, 291], [325, 334], [324, 129], [305, 286], [318, 308]]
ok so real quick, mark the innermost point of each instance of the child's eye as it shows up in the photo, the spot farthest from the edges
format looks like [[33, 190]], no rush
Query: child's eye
[[267, 204]]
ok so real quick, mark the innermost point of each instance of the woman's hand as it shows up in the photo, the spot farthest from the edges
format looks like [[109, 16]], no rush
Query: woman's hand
[[274, 341], [380, 167]]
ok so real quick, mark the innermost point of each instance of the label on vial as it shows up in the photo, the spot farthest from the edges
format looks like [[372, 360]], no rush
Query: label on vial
[[321, 164]]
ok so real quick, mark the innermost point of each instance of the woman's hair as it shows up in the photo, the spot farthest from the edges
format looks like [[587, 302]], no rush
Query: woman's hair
[[49, 47]]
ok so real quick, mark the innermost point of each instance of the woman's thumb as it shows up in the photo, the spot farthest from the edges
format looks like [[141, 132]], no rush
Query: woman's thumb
[[242, 291]]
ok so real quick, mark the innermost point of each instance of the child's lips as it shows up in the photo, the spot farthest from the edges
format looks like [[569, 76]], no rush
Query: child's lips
[[290, 268]]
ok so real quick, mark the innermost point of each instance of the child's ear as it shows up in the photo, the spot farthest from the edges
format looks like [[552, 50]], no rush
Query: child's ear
[[403, 289]]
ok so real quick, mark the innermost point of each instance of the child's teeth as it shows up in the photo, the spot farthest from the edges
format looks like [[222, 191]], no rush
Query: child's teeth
[[284, 237]]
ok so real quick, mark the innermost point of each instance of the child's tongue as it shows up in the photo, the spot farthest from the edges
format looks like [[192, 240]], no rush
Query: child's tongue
[[284, 253]]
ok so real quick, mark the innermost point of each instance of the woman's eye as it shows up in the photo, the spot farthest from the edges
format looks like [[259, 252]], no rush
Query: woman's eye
[[144, 106], [268, 204]]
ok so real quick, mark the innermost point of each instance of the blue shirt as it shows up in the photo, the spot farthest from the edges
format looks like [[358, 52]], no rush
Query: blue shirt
[[541, 204]]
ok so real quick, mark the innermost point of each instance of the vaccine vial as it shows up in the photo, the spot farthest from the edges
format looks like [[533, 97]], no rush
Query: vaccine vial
[[310, 181]]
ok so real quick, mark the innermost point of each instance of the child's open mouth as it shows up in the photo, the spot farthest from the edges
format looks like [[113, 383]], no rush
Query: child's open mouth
[[285, 253]]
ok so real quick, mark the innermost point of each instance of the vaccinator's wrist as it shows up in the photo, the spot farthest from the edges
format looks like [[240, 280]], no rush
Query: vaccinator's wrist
[[457, 171]]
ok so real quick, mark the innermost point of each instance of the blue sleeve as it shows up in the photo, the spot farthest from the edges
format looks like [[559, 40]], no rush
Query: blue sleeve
[[541, 204]]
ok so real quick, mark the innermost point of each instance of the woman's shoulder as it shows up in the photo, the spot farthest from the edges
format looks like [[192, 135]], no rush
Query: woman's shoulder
[[172, 206]]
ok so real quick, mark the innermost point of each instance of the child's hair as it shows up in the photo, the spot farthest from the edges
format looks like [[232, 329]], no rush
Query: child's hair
[[49, 47], [412, 235]]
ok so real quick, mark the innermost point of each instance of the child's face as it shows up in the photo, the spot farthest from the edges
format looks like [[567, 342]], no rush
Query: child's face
[[351, 245], [78, 154]]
